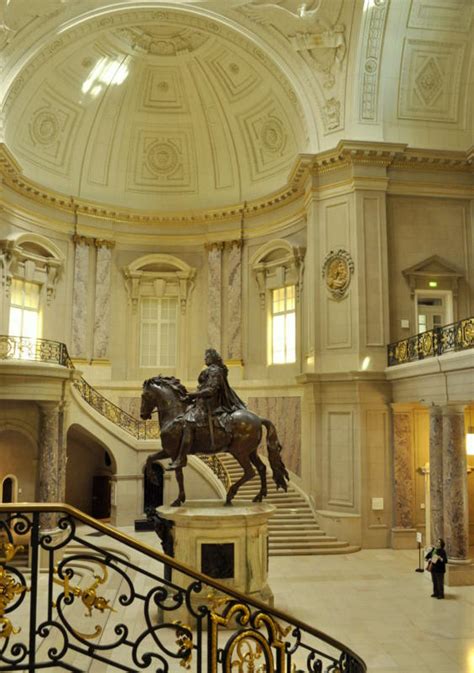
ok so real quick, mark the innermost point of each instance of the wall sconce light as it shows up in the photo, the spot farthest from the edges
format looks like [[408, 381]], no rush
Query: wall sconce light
[[433, 283]]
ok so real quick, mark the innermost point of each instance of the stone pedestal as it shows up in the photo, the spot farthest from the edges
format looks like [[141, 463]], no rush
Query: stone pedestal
[[230, 544]]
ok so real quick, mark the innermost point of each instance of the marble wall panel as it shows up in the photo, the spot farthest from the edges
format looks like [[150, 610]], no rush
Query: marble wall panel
[[79, 299], [102, 301], [436, 473], [404, 492], [234, 301], [285, 414], [214, 295], [455, 504]]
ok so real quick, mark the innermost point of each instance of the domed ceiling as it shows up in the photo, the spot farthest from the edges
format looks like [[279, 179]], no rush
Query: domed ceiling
[[155, 109], [186, 105]]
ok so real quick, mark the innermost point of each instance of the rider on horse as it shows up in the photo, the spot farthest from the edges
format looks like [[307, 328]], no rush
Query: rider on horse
[[214, 398]]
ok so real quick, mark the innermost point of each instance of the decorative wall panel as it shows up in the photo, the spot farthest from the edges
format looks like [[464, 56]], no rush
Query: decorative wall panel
[[236, 77], [214, 294], [374, 29], [338, 323], [285, 414], [374, 273], [162, 89], [79, 298], [234, 301], [102, 299], [337, 233], [378, 478], [162, 160], [403, 466], [430, 80], [340, 448], [47, 131], [452, 15]]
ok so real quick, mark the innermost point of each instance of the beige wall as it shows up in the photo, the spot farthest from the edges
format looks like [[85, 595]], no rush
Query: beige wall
[[419, 228], [19, 459]]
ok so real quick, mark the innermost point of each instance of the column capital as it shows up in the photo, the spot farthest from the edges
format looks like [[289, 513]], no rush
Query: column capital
[[214, 245]]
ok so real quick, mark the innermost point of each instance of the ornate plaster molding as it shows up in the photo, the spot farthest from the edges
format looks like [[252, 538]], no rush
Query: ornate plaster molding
[[276, 264], [159, 275]]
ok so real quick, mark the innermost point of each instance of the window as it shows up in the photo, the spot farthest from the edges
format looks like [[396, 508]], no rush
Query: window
[[158, 323], [24, 309], [283, 325]]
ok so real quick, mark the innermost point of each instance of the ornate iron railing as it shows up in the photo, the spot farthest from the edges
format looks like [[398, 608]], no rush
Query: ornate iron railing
[[215, 463], [38, 350], [54, 352], [121, 604], [113, 413], [457, 336]]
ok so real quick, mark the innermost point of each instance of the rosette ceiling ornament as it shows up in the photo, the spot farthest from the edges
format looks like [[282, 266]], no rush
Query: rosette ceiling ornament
[[169, 108]]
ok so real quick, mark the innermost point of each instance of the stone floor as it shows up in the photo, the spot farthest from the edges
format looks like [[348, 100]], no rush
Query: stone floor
[[375, 602]]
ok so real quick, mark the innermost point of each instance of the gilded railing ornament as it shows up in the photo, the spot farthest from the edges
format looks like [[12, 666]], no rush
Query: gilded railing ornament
[[88, 596], [184, 640], [457, 336], [338, 268], [217, 466], [10, 588]]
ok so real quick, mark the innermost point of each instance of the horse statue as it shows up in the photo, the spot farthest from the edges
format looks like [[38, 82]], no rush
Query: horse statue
[[240, 438]]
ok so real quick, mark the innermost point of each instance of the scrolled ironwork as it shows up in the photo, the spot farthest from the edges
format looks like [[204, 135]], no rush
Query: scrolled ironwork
[[457, 336], [55, 352], [113, 604]]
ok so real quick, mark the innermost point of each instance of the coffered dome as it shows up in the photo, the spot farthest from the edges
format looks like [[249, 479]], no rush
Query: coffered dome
[[155, 109]]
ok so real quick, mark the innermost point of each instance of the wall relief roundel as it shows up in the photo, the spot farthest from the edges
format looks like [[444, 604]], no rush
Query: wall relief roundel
[[338, 268]]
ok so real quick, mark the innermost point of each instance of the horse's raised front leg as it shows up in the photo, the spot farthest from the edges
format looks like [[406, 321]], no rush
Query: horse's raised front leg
[[247, 475], [262, 473], [181, 494]]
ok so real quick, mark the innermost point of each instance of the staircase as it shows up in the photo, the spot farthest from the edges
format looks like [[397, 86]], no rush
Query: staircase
[[293, 529]]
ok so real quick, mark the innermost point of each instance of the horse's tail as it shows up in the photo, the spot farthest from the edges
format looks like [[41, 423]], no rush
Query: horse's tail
[[280, 473]]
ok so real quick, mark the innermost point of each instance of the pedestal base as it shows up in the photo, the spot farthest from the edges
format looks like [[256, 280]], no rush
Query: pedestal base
[[229, 544], [460, 573]]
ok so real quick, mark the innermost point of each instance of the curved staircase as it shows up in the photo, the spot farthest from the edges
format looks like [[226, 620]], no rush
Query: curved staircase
[[293, 529]]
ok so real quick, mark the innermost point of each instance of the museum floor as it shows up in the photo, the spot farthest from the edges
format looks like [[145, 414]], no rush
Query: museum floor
[[375, 602]]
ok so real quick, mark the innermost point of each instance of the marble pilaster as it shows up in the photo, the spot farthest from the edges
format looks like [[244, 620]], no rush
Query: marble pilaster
[[455, 510], [102, 299], [48, 459], [62, 456], [234, 301], [214, 294], [436, 474], [404, 491], [79, 297]]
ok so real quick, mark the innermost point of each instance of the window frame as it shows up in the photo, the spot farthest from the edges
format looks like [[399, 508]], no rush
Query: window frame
[[159, 322], [285, 313]]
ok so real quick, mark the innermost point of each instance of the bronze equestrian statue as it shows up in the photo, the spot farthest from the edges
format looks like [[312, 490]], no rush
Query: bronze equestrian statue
[[211, 420]]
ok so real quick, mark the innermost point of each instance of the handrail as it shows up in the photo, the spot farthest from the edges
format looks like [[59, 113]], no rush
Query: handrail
[[165, 596], [55, 352], [456, 336]]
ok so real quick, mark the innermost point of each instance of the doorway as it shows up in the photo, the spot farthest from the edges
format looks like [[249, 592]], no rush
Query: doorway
[[433, 309]]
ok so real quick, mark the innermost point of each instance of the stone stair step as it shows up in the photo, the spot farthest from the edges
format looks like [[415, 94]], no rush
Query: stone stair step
[[314, 552]]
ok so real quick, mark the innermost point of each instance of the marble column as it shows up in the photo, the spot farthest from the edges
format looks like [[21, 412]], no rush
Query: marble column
[[404, 471], [436, 474], [102, 298], [455, 510], [234, 301], [79, 297], [48, 459], [62, 454], [214, 294]]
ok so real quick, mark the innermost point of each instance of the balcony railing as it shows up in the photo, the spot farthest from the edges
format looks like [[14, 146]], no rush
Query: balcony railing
[[457, 336], [55, 352], [103, 599]]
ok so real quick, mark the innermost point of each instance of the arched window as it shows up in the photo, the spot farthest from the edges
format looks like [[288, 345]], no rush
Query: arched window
[[31, 266], [278, 268], [159, 287]]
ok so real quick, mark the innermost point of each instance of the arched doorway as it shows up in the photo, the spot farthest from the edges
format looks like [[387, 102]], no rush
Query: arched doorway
[[8, 490], [90, 466]]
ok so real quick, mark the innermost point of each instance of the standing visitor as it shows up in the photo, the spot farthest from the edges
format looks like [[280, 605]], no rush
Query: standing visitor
[[437, 560]]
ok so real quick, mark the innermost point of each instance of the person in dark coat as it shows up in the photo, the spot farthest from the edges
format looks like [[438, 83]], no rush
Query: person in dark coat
[[213, 399], [437, 560]]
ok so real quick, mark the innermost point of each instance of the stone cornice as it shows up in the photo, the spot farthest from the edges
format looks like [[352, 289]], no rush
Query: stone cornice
[[347, 154]]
